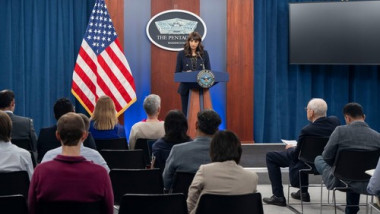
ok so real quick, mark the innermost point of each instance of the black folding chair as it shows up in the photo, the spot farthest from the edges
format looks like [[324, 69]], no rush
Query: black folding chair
[[310, 148], [135, 181], [227, 204], [23, 143], [72, 207], [13, 183], [13, 204], [27, 145], [114, 144], [153, 203], [144, 144], [350, 166], [182, 182], [124, 159]]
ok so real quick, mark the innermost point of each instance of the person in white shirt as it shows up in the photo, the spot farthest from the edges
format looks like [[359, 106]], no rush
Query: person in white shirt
[[12, 158], [88, 153], [151, 128]]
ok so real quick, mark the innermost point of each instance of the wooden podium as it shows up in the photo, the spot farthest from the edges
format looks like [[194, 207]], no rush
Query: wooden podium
[[199, 97]]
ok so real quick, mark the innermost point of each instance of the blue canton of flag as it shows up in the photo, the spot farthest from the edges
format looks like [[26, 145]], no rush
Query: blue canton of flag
[[100, 31]]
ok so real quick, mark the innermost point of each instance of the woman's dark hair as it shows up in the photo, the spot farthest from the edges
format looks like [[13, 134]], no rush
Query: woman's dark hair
[[193, 36], [225, 146], [176, 127]]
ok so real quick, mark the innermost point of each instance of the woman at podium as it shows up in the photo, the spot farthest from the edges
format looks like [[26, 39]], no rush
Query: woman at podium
[[193, 57]]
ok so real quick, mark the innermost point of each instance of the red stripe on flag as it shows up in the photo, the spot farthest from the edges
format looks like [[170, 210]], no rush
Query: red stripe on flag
[[112, 76], [106, 89], [87, 59], [86, 80], [121, 65], [83, 97], [113, 80]]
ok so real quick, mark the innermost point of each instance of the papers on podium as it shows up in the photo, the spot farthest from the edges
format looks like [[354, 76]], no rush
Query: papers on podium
[[290, 142]]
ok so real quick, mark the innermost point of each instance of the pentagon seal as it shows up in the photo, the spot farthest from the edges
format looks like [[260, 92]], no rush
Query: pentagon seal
[[205, 78]]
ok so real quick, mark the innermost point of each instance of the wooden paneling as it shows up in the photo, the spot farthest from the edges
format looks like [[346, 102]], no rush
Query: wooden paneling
[[116, 10], [240, 67], [163, 62]]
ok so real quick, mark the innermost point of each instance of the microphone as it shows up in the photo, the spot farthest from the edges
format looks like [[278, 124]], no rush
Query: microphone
[[203, 62]]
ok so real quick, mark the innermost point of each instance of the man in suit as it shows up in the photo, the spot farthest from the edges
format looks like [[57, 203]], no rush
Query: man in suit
[[47, 139], [187, 157], [22, 126], [320, 126], [355, 135]]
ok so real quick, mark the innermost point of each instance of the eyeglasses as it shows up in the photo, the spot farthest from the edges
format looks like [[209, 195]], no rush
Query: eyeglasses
[[306, 109]]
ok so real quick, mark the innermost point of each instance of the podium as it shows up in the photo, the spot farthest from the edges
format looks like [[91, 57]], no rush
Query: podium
[[199, 96]]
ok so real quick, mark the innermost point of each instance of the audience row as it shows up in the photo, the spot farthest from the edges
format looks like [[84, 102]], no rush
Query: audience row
[[68, 148]]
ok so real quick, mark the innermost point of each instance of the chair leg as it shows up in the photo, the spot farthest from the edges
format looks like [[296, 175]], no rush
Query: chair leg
[[320, 210], [334, 199]]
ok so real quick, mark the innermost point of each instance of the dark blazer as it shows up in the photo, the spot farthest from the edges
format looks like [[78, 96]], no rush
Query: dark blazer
[[48, 141], [22, 128], [322, 127], [184, 64]]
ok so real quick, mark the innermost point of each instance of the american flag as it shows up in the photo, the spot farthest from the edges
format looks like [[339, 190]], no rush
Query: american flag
[[101, 67]]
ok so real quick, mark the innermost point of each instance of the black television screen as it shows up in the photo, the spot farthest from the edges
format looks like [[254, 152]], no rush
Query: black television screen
[[334, 33]]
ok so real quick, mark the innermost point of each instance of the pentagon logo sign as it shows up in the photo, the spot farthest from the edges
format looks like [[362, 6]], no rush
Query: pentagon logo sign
[[169, 29]]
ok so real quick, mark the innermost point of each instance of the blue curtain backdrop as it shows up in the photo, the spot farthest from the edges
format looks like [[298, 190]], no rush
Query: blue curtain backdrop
[[39, 43], [282, 90]]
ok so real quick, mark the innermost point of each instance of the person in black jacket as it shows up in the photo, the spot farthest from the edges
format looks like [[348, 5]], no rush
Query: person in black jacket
[[193, 57], [320, 126], [47, 139]]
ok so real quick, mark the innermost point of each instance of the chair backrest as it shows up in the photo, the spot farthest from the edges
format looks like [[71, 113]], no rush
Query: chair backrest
[[115, 144], [182, 182], [350, 165], [13, 204], [124, 159], [153, 203], [72, 207], [13, 183], [227, 204], [142, 143], [23, 143], [311, 147], [135, 181], [27, 145]]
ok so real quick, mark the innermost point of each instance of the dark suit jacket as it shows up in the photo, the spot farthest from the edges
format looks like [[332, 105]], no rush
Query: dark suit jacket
[[322, 127], [48, 141], [184, 64], [22, 128]]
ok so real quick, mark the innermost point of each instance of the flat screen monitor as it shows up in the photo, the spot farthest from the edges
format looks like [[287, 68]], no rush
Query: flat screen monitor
[[334, 33]]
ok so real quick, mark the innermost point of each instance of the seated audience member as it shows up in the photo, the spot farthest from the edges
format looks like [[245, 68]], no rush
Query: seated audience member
[[22, 127], [104, 123], [223, 176], [320, 126], [355, 135], [374, 183], [187, 157], [175, 133], [151, 128], [47, 139], [88, 153], [12, 158], [70, 177]]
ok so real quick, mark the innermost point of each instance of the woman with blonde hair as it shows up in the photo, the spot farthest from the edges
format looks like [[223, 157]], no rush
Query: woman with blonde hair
[[104, 123]]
